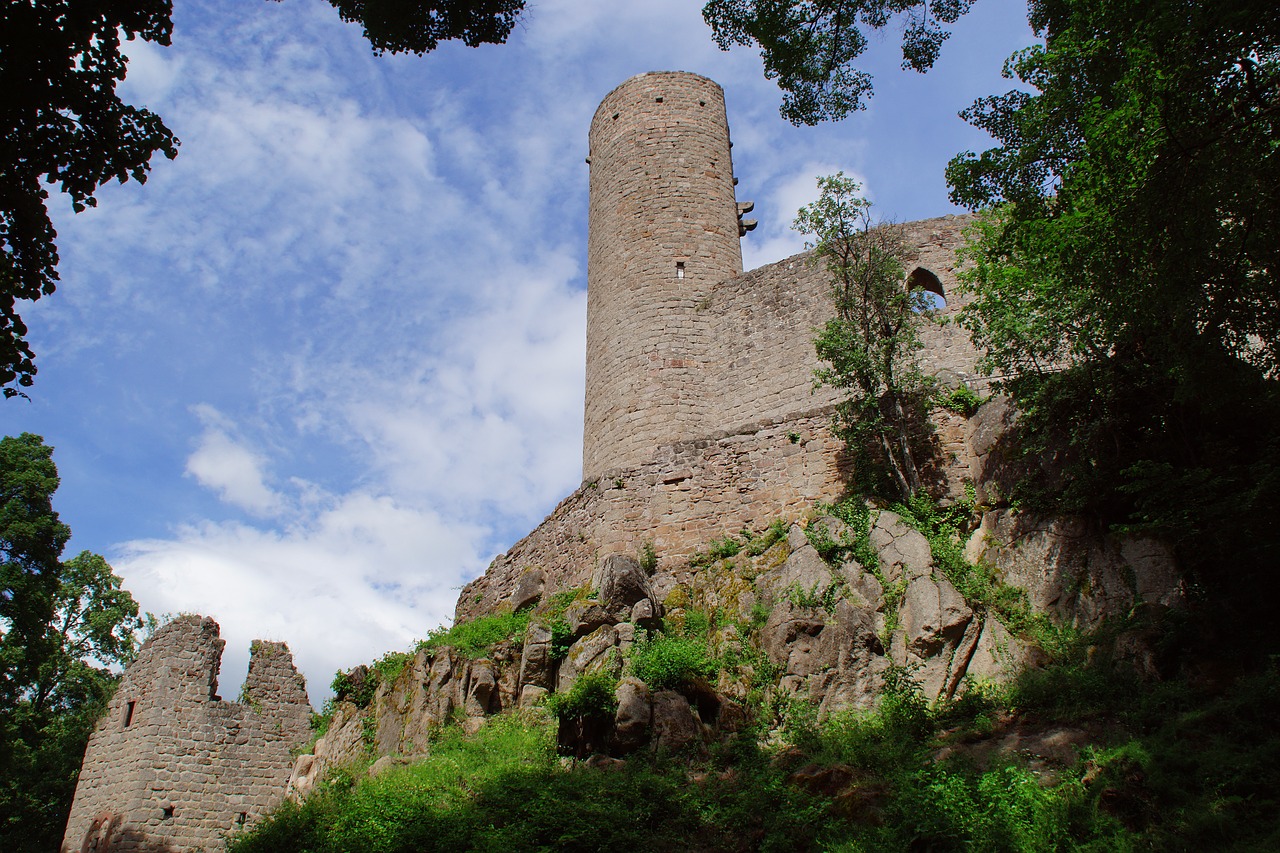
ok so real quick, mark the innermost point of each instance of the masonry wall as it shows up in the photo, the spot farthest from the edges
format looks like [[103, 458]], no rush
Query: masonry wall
[[663, 228], [766, 451], [173, 767]]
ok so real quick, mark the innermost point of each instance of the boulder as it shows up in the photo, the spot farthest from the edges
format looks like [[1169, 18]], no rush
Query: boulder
[[904, 552], [584, 617], [535, 658], [792, 638], [676, 728], [804, 575], [588, 654], [934, 614], [622, 582], [528, 589], [633, 717]]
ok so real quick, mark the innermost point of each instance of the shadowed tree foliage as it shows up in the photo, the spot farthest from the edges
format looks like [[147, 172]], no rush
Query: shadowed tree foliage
[[811, 46], [63, 626], [1126, 285], [62, 123], [872, 344]]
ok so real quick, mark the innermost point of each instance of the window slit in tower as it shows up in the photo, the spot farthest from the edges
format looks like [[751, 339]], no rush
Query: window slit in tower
[[128, 713], [679, 269]]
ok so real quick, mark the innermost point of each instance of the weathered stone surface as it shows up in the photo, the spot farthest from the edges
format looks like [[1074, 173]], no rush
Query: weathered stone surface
[[584, 617], [1074, 572], [792, 638], [934, 615], [528, 589], [586, 655], [172, 767], [862, 587], [632, 720], [676, 727], [857, 660], [535, 657], [904, 552], [622, 583], [803, 576]]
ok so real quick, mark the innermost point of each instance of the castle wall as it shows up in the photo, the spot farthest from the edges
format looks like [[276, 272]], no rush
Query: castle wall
[[767, 450], [663, 228], [172, 767]]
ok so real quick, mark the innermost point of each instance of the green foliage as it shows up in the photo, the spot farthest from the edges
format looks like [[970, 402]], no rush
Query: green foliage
[[752, 545], [593, 694], [561, 639], [961, 400], [1125, 285], [418, 26], [64, 628], [391, 666], [871, 346], [356, 687], [944, 528], [64, 125], [476, 638], [669, 662], [811, 48], [648, 558], [855, 544], [504, 789]]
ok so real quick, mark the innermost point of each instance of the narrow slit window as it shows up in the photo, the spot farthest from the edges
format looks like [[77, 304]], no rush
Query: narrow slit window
[[128, 714], [679, 269]]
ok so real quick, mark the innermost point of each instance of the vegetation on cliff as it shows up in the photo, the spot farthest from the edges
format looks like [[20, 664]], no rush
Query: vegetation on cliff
[[65, 630]]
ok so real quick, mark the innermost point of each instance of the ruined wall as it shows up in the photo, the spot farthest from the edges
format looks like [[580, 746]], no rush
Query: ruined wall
[[767, 451], [663, 228], [173, 767], [763, 324]]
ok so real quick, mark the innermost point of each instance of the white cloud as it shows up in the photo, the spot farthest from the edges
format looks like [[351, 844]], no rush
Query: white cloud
[[358, 294], [234, 472]]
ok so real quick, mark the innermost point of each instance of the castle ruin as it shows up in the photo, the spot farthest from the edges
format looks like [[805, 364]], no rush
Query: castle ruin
[[170, 766], [701, 417]]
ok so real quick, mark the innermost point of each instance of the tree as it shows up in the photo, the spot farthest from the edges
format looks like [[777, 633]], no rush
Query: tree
[[61, 121], [64, 628], [1126, 283], [871, 344], [811, 46]]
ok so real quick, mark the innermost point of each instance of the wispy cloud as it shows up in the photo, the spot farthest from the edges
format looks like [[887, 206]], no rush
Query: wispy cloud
[[325, 365]]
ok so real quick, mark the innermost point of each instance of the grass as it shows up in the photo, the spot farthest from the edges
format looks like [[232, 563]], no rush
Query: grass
[[476, 638]]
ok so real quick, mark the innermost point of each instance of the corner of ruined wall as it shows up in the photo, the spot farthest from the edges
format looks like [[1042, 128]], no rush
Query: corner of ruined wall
[[172, 766]]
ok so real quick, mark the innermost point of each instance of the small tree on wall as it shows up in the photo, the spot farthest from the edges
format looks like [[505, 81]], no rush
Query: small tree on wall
[[871, 345]]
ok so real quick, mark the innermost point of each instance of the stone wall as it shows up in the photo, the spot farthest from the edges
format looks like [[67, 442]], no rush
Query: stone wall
[[767, 450], [173, 767], [663, 229]]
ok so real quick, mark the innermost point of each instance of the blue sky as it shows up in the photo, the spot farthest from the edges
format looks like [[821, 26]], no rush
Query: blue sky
[[324, 366]]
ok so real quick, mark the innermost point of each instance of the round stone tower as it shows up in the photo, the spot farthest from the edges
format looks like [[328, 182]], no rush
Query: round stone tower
[[664, 227]]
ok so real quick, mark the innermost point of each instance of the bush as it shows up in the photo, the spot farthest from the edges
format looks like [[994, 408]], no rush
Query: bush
[[476, 638], [591, 695], [667, 662]]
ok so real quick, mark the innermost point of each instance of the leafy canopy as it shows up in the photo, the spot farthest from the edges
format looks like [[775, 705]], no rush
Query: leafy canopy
[[871, 345], [63, 626], [811, 46], [1125, 285]]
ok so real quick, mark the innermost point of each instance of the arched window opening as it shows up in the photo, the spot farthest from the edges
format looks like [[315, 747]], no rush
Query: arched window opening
[[923, 279]]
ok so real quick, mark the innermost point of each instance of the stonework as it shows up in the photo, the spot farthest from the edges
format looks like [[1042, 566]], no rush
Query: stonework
[[173, 767], [663, 228]]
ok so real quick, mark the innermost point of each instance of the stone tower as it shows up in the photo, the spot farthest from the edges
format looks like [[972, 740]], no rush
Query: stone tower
[[664, 227]]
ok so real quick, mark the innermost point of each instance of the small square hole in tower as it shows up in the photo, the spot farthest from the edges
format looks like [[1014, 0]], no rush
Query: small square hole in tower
[[679, 269]]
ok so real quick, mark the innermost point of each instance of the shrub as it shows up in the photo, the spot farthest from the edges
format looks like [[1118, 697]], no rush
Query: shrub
[[591, 695], [667, 662], [476, 638]]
